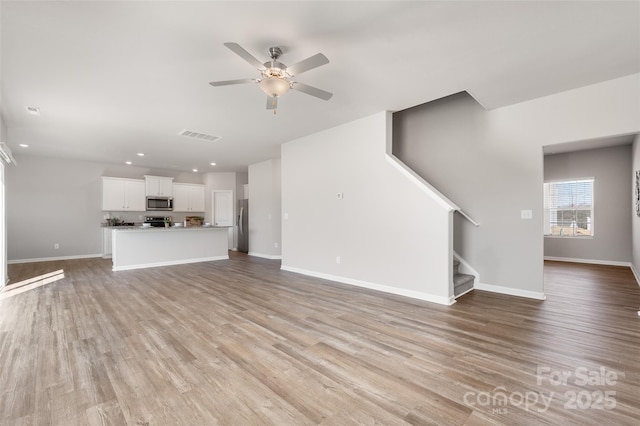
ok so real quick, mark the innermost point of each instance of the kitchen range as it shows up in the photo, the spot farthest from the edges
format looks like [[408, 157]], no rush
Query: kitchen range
[[158, 221]]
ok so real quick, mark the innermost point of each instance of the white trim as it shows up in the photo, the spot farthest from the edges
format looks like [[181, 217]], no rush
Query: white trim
[[636, 275], [169, 263], [265, 256], [511, 291], [409, 173], [591, 261], [49, 259], [464, 292], [421, 183], [372, 286]]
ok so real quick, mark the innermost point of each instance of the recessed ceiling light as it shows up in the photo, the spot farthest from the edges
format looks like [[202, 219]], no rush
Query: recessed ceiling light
[[33, 110], [24, 145], [195, 170], [127, 163], [141, 154], [213, 164]]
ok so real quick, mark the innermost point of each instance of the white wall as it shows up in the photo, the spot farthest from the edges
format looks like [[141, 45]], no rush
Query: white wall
[[52, 201], [3, 228], [611, 168], [3, 130], [264, 209], [388, 233], [491, 164], [635, 220]]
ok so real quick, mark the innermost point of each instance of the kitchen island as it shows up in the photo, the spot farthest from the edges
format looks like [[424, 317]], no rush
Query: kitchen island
[[135, 248]]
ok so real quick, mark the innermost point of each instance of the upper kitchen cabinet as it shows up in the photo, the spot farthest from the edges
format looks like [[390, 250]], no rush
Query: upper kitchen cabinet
[[159, 186], [120, 194], [188, 197]]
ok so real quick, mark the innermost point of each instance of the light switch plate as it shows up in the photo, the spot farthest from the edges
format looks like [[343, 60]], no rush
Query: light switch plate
[[526, 214]]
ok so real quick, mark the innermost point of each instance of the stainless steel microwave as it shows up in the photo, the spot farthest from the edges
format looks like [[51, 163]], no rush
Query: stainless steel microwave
[[159, 203]]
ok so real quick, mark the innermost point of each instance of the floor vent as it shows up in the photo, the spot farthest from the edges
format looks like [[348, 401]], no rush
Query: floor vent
[[197, 135]]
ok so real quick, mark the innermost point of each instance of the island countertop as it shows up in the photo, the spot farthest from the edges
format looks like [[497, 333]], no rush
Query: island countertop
[[164, 229], [139, 247]]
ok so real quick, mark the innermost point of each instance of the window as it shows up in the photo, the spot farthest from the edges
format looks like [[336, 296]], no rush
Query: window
[[568, 208]]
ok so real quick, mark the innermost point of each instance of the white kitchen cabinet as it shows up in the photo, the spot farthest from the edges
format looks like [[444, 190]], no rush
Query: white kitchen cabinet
[[188, 197], [159, 186], [120, 194]]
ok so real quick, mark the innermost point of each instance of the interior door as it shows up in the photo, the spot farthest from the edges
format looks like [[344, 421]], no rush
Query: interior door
[[223, 208]]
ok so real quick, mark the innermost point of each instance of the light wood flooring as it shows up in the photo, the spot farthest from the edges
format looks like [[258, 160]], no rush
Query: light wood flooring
[[240, 342]]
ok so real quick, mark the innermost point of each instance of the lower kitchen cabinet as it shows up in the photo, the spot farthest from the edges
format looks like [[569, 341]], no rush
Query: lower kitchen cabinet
[[107, 238]]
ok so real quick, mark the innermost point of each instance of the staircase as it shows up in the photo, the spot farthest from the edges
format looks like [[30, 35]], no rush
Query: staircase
[[462, 283]]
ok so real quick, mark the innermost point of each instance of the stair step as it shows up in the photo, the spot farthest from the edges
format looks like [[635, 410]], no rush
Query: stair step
[[462, 283], [456, 265]]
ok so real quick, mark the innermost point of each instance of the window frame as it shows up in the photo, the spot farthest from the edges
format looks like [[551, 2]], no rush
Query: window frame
[[547, 220]]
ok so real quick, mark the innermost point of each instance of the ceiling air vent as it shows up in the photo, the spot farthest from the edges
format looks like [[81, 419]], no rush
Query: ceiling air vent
[[197, 135]]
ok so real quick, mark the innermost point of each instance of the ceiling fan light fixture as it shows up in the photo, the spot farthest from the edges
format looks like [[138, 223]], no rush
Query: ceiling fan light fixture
[[274, 86]]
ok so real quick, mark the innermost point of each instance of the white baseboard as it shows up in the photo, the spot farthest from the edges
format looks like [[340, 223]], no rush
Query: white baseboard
[[590, 261], [264, 256], [636, 275], [49, 259], [372, 286], [177, 262], [511, 291]]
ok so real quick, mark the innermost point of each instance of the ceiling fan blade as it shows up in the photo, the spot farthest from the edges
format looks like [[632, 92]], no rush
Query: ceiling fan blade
[[272, 102], [239, 50], [310, 63], [229, 82], [313, 91]]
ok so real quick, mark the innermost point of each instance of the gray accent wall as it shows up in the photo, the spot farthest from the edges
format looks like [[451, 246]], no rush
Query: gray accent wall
[[611, 168], [490, 163], [51, 201]]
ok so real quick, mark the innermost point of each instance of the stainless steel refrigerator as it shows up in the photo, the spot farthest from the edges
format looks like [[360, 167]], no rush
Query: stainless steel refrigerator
[[243, 226]]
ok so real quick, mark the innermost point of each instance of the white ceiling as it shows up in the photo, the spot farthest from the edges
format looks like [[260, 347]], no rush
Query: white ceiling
[[115, 78]]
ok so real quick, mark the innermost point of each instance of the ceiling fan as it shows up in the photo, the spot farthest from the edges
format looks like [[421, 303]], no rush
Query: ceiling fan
[[276, 77]]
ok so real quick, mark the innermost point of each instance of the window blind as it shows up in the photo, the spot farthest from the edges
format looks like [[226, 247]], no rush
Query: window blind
[[568, 208]]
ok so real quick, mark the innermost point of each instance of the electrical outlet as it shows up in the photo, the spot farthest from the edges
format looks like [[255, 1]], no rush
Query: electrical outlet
[[275, 245], [338, 260], [526, 214], [340, 195], [56, 246]]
